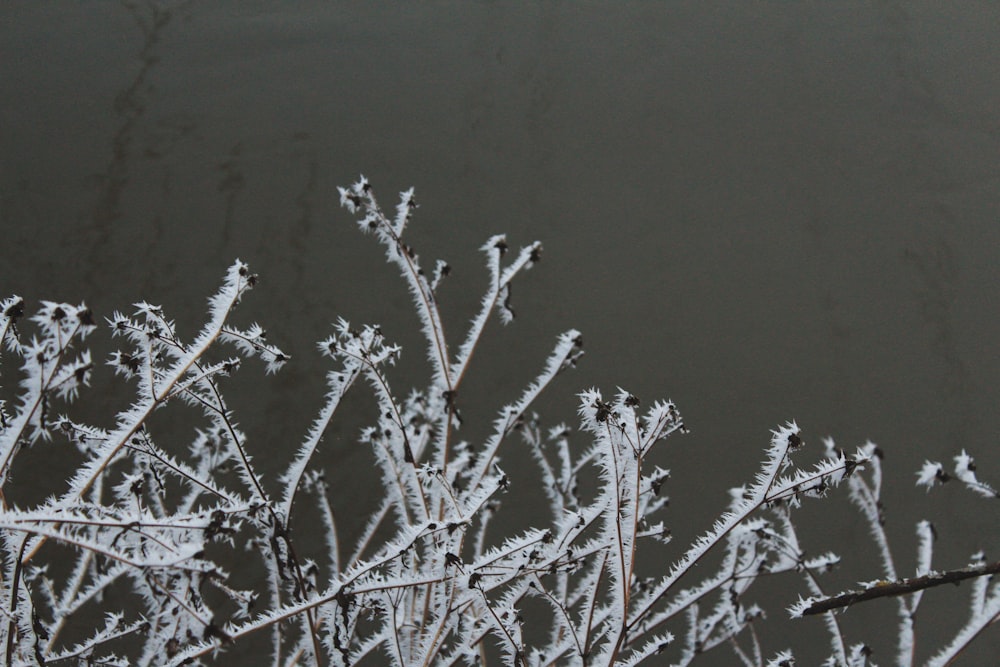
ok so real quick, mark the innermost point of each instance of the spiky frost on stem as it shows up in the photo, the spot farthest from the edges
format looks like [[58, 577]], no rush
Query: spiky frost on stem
[[147, 541], [933, 473], [565, 355], [354, 350], [435, 585], [984, 609], [360, 199], [986, 614], [48, 369], [767, 488], [496, 297], [238, 280], [114, 628]]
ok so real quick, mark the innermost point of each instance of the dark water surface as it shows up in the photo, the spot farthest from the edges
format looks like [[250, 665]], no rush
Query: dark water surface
[[764, 211]]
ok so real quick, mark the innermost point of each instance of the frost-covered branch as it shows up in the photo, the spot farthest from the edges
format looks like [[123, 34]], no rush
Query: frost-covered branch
[[170, 546]]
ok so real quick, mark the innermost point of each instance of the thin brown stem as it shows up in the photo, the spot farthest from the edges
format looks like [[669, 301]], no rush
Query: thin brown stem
[[884, 589]]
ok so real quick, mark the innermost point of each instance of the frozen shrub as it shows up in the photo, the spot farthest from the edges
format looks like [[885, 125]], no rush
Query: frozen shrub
[[428, 581]]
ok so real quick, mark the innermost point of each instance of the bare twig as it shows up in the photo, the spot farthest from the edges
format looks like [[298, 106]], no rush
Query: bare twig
[[883, 589]]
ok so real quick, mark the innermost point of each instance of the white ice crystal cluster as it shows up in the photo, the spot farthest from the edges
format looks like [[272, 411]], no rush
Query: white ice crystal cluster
[[133, 558]]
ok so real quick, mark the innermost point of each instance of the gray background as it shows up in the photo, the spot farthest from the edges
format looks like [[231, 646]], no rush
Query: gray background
[[764, 211]]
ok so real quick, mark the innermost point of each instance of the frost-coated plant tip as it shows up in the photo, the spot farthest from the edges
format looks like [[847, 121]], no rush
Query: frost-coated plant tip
[[145, 554]]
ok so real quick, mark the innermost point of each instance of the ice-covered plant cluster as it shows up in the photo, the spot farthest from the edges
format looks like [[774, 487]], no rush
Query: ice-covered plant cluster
[[141, 555], [984, 602]]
